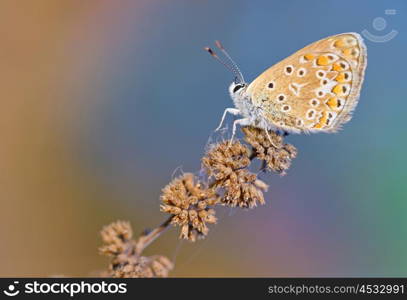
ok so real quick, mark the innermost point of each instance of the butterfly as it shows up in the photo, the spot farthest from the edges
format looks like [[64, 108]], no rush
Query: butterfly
[[315, 89]]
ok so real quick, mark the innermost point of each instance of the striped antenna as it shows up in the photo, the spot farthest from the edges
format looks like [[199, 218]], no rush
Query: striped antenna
[[234, 65], [230, 64]]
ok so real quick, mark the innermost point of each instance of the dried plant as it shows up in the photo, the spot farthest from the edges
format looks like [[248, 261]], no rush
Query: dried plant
[[190, 205], [277, 159], [190, 202], [125, 254], [227, 166]]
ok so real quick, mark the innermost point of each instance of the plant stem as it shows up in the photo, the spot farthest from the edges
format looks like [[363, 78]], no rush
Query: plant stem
[[145, 240]]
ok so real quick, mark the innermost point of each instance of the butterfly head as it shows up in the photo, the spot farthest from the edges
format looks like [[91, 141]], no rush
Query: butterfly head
[[238, 85], [236, 88]]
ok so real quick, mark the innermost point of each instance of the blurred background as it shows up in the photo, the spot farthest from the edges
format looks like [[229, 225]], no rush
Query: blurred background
[[103, 100]]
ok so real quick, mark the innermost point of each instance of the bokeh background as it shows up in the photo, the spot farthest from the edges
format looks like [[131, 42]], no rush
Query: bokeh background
[[103, 100]]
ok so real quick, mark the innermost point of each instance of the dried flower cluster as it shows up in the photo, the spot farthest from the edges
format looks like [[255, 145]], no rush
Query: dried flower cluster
[[125, 261], [229, 183], [190, 202], [117, 238], [227, 165], [190, 205], [277, 159]]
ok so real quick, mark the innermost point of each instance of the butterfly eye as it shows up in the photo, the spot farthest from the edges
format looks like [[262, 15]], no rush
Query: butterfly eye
[[236, 88]]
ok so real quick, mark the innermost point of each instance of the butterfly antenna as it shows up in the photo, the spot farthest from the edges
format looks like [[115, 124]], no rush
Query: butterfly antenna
[[229, 67], [234, 64]]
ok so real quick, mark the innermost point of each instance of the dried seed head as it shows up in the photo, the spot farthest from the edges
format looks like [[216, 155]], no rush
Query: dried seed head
[[137, 267], [223, 159], [116, 237], [189, 203], [227, 165], [243, 189], [276, 159], [161, 265], [125, 262]]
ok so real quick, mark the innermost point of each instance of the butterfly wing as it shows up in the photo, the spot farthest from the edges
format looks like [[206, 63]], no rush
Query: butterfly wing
[[316, 88]]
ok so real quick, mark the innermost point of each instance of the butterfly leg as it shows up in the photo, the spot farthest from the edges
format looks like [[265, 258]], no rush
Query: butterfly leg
[[270, 140], [232, 111], [240, 122]]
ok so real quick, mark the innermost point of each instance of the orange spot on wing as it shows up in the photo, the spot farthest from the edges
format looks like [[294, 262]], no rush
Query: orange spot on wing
[[308, 56], [339, 43], [340, 77], [336, 67], [337, 89], [322, 60], [347, 52], [332, 102], [322, 120]]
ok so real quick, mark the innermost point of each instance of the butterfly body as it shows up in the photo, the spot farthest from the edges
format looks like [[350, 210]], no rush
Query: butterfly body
[[314, 90], [247, 108]]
